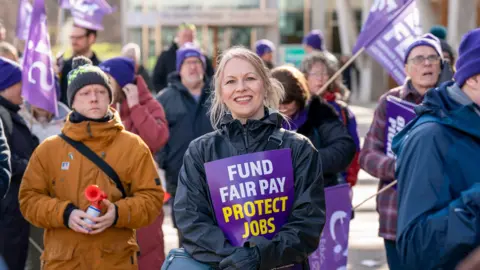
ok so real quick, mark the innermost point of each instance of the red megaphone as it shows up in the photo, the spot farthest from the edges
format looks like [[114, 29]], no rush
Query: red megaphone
[[95, 195]]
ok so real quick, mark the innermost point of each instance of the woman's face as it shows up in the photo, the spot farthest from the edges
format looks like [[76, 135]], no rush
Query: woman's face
[[41, 115], [289, 109], [317, 77], [242, 90]]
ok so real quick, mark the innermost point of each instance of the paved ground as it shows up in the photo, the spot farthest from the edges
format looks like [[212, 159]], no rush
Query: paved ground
[[365, 247]]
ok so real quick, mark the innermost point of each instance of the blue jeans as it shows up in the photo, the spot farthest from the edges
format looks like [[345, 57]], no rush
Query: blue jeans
[[393, 260]]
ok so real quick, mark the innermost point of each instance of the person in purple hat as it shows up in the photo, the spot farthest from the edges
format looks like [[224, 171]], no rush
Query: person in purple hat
[[186, 103], [423, 66], [166, 62], [437, 169], [14, 229], [265, 49], [143, 115], [314, 41]]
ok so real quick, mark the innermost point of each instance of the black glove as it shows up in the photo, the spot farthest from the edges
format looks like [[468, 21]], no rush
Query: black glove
[[242, 258]]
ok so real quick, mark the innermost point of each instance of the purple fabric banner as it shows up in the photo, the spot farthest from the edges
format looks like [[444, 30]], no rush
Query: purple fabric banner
[[381, 11], [38, 81], [24, 17], [399, 113], [87, 13], [252, 194], [388, 46], [332, 252]]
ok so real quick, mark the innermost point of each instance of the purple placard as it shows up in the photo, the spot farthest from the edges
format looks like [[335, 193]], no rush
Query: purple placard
[[24, 17], [87, 13], [38, 79], [389, 45], [332, 252], [398, 113], [252, 194], [380, 15]]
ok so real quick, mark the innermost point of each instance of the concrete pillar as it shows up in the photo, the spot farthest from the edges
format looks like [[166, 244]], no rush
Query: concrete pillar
[[346, 24], [462, 17], [428, 17], [319, 16], [272, 32], [123, 14]]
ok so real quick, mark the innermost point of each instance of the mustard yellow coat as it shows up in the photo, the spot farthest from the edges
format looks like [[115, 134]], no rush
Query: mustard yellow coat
[[57, 175]]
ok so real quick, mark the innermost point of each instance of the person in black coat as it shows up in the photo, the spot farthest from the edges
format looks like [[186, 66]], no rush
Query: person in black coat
[[14, 229], [243, 112], [82, 40], [318, 121], [166, 62], [5, 168]]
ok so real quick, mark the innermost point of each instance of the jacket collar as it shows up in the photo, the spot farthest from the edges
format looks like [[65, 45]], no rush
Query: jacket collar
[[253, 132], [96, 134], [8, 105]]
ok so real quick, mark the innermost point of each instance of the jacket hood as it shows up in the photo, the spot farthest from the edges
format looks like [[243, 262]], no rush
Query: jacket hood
[[96, 134], [444, 109]]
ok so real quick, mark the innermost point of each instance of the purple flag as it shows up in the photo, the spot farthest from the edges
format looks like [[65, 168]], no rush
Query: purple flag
[[87, 13], [38, 80], [389, 45], [399, 112], [381, 11], [24, 17], [332, 252], [251, 194]]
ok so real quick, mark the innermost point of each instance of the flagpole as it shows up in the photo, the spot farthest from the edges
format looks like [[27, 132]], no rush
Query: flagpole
[[339, 72]]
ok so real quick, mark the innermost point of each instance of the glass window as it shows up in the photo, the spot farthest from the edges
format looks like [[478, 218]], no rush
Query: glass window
[[291, 27], [192, 4]]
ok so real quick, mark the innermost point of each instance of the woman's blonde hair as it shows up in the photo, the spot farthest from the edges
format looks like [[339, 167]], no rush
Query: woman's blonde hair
[[274, 91]]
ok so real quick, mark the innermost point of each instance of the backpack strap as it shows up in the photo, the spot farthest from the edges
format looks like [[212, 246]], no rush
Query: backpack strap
[[7, 122], [275, 140], [102, 164]]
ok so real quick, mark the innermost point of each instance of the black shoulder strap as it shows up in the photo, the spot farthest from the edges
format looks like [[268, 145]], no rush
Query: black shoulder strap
[[102, 164], [7, 122], [275, 140]]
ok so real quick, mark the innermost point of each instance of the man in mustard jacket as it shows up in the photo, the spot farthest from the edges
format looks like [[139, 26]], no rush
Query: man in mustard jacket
[[52, 190]]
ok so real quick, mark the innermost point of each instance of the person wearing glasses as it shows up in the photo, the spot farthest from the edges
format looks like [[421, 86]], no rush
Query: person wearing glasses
[[438, 185], [423, 68], [81, 40]]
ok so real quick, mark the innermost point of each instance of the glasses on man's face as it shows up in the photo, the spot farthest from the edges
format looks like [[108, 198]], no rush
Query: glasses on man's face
[[420, 59], [77, 37]]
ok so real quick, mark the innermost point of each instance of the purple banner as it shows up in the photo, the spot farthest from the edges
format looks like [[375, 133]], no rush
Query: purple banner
[[252, 194], [380, 15], [38, 81], [332, 252], [389, 45], [399, 113], [24, 17], [87, 13]]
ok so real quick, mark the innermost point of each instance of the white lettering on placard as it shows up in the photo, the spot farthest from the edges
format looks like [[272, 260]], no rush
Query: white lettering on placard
[[395, 126], [249, 169], [379, 5]]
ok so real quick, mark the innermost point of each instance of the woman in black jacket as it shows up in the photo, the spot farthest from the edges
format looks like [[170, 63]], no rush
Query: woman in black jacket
[[318, 121], [243, 112]]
